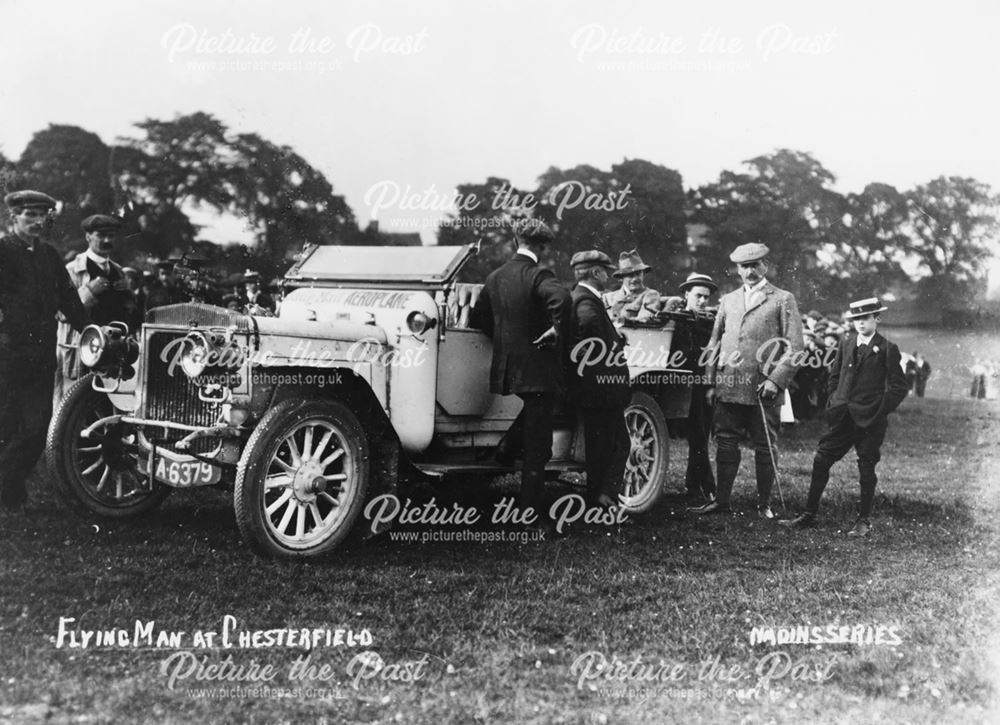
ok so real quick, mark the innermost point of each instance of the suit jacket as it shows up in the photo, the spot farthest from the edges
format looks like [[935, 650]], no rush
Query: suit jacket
[[755, 342], [605, 383], [870, 383], [519, 302], [34, 287], [111, 306]]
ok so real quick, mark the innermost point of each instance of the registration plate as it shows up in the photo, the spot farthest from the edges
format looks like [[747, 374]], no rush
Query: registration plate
[[181, 473]]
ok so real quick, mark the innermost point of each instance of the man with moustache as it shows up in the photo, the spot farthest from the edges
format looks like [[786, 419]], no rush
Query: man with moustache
[[633, 300], [600, 390], [34, 286], [526, 311], [104, 290], [756, 341]]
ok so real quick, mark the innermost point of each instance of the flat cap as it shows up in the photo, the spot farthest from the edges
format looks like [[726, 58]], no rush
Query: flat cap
[[592, 256], [101, 223], [28, 199], [698, 280], [746, 253], [251, 276], [533, 230]]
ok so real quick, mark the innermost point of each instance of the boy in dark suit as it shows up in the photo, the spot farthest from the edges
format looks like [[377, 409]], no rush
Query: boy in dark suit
[[866, 384]]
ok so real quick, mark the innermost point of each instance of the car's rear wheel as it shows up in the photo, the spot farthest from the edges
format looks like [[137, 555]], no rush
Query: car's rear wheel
[[96, 476], [302, 479], [649, 455]]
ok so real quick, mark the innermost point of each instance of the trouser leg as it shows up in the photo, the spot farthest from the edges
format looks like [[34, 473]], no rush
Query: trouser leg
[[25, 411], [730, 425], [698, 476], [537, 445], [868, 447], [838, 439]]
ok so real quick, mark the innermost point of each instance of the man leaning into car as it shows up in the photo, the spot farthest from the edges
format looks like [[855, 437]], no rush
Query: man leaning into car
[[526, 311]]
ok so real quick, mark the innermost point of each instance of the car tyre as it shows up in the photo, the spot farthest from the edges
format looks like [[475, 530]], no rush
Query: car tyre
[[649, 454], [97, 476], [302, 479]]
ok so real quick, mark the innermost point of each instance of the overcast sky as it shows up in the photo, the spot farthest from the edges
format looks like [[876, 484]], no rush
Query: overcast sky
[[428, 95]]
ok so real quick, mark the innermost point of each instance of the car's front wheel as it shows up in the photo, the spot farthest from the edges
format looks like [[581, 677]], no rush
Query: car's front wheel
[[649, 455], [302, 479], [98, 475]]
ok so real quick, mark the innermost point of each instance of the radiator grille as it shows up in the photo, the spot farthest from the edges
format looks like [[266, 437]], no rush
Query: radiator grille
[[174, 397]]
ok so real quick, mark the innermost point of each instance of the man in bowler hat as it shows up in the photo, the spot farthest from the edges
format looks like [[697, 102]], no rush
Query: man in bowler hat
[[756, 341], [866, 384], [598, 379], [34, 287], [526, 311]]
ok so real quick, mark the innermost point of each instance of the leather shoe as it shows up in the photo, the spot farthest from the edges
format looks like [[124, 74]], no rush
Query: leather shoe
[[861, 529], [802, 521], [712, 507], [765, 512]]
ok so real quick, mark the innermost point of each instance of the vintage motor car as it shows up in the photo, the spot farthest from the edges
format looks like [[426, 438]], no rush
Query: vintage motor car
[[368, 378]]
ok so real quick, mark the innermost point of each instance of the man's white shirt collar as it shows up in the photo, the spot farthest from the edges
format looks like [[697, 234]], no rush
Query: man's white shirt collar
[[862, 340], [596, 293], [97, 259], [747, 291], [529, 254]]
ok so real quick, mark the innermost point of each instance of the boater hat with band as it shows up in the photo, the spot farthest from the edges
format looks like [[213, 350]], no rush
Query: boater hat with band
[[863, 308]]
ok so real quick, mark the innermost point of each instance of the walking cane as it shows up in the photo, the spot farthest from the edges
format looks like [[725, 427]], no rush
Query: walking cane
[[770, 450]]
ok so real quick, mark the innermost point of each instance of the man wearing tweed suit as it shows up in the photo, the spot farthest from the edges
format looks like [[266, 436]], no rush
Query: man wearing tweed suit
[[757, 347]]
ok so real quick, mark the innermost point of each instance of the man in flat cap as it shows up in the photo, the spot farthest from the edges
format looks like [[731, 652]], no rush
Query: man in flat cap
[[103, 288], [598, 379], [694, 336], [34, 286], [633, 300], [526, 311], [756, 341]]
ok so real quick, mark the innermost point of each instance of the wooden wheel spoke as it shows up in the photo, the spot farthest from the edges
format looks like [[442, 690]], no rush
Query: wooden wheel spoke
[[278, 502]]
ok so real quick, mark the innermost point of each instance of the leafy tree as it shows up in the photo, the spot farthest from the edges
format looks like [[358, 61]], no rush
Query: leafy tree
[[634, 205], [952, 225], [286, 201], [784, 200], [487, 213], [193, 160], [863, 254]]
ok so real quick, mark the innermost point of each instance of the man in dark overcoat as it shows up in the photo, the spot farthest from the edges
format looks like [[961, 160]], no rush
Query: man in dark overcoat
[[526, 311], [34, 286], [598, 379]]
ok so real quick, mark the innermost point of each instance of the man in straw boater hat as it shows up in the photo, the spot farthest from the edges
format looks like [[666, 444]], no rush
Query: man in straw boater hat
[[756, 343], [598, 379], [866, 384], [633, 300], [526, 311], [34, 286], [699, 483]]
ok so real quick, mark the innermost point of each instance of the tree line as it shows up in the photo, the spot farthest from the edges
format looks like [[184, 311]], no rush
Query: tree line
[[934, 240]]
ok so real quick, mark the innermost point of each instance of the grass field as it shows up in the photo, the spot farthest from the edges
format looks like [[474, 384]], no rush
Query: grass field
[[490, 632]]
